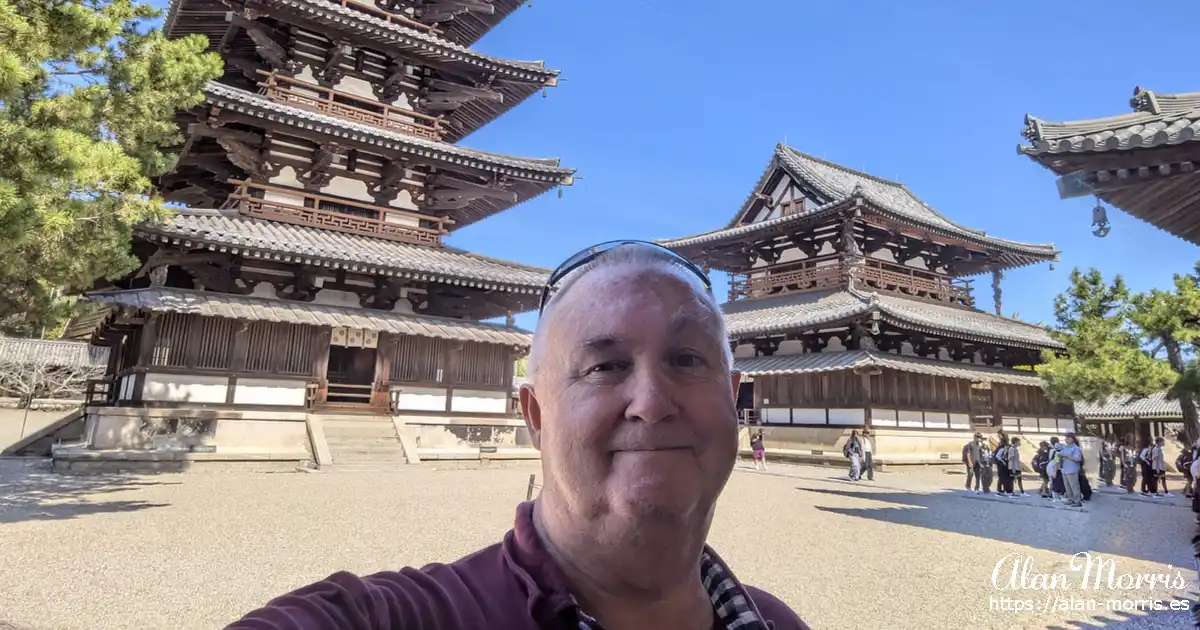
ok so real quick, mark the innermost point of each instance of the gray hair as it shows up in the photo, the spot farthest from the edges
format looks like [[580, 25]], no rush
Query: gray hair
[[625, 256]]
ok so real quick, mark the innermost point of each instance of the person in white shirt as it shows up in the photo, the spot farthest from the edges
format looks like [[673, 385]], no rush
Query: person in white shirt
[[868, 450]]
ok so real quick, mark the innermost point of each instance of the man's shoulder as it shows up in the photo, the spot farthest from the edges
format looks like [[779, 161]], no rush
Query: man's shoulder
[[779, 615]]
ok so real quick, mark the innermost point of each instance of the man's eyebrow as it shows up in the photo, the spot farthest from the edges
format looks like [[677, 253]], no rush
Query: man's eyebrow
[[681, 320], [603, 342]]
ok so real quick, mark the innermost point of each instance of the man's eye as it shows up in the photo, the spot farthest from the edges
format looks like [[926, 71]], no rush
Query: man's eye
[[688, 360], [606, 367]]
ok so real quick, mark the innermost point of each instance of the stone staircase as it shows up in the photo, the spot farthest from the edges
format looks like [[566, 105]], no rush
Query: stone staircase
[[362, 442]]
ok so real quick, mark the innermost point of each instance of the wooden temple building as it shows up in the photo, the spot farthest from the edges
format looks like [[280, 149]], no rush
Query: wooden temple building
[[304, 308], [851, 305], [1144, 162]]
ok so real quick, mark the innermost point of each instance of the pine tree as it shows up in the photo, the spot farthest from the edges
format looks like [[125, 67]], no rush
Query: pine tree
[[1120, 343], [88, 95]]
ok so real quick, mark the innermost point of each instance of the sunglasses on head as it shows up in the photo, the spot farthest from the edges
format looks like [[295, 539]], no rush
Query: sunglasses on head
[[595, 251]]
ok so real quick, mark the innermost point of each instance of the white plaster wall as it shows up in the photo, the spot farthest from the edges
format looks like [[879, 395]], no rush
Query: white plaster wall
[[1008, 423], [402, 306], [357, 87], [263, 290], [404, 201], [743, 351], [185, 388], [960, 421], [847, 416], [348, 188], [808, 416], [937, 420], [306, 75], [333, 297], [478, 401], [911, 419], [126, 392], [883, 417], [882, 254], [776, 416], [264, 391], [420, 398], [286, 177], [790, 346]]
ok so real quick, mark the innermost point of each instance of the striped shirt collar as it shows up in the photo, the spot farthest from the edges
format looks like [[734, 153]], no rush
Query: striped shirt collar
[[731, 603]]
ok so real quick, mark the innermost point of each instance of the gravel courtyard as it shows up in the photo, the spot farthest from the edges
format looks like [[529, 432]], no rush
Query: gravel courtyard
[[195, 551]]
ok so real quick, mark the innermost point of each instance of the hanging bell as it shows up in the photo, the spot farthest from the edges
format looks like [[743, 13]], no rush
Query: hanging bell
[[1100, 224]]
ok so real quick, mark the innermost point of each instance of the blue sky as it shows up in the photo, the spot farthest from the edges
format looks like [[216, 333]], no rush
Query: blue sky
[[670, 114]]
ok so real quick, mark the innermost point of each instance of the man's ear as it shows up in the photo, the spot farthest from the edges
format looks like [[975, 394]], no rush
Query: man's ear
[[532, 412]]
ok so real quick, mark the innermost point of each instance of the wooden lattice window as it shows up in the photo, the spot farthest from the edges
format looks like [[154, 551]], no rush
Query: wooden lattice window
[[275, 348], [193, 341], [483, 364], [419, 359]]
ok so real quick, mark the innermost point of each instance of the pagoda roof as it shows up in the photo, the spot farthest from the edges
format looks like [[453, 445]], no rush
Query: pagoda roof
[[1157, 119], [1143, 162], [468, 28], [1154, 406], [817, 362], [191, 302], [844, 188], [530, 176], [221, 230], [805, 311]]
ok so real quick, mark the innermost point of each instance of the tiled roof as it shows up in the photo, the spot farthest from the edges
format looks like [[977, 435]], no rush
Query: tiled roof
[[841, 185], [420, 43], [765, 316], [747, 318], [47, 352], [467, 28], [171, 300], [1122, 407], [540, 169], [852, 359], [1157, 120], [337, 249]]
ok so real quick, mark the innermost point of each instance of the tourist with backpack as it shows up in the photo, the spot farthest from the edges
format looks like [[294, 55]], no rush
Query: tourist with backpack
[[1014, 467], [985, 466], [1183, 464], [1000, 455], [1040, 460]]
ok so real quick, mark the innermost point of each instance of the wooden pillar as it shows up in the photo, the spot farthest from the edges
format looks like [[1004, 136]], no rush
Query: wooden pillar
[[320, 373], [384, 350], [866, 393], [149, 342], [238, 349]]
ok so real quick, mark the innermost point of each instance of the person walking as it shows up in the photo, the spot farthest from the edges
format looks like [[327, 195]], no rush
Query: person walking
[[1146, 463], [1072, 460], [1039, 464], [1108, 466], [985, 465], [1057, 488], [1183, 464], [1000, 456], [853, 451], [1158, 462], [970, 457], [1129, 464], [868, 450], [760, 452], [1014, 467]]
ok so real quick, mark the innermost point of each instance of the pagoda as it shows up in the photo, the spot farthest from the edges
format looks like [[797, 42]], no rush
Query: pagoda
[[1143, 162], [303, 308], [851, 306]]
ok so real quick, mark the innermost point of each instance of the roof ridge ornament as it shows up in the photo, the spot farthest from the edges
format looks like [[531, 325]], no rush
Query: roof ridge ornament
[[1144, 101]]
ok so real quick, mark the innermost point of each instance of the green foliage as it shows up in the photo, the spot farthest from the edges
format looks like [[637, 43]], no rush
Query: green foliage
[[522, 364], [1119, 343], [87, 101]]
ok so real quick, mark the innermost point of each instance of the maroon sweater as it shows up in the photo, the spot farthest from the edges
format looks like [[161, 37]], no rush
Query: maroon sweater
[[513, 585]]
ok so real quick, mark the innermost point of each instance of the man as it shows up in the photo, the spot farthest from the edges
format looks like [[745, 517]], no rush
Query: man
[[1040, 461], [971, 459], [1158, 462], [631, 402], [1000, 455], [868, 449], [1014, 467], [1072, 458]]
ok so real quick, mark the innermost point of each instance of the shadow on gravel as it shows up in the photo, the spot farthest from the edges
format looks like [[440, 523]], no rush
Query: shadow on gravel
[[1130, 621], [1061, 531], [30, 491]]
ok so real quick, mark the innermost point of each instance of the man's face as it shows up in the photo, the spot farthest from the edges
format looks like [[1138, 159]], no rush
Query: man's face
[[633, 409]]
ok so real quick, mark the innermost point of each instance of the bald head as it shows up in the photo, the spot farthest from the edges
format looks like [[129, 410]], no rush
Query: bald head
[[638, 269]]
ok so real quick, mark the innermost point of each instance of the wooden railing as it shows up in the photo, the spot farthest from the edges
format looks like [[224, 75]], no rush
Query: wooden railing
[[828, 272], [351, 107], [99, 391], [811, 274], [886, 276], [389, 17], [335, 213]]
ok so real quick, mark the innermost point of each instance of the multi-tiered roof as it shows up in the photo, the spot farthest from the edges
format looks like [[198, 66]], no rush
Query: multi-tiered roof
[[328, 148], [1143, 162], [819, 248]]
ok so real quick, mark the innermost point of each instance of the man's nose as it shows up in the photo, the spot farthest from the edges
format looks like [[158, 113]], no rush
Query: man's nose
[[651, 395]]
